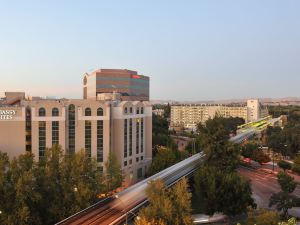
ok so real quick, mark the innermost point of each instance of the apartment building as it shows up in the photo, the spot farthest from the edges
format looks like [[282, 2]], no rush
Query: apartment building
[[188, 116]]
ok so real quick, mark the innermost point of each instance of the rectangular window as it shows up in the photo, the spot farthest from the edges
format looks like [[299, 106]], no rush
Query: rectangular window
[[100, 141], [42, 138], [130, 137], [55, 133], [142, 135], [88, 138], [140, 173], [28, 130], [125, 163], [137, 136], [71, 129], [125, 139]]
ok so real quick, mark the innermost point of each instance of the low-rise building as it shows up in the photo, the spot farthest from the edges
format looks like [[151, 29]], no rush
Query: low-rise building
[[158, 112]]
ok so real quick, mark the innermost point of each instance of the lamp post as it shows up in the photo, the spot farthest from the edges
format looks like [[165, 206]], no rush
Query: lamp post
[[126, 212]]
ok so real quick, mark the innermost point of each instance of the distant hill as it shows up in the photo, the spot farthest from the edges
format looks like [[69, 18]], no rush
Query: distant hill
[[265, 101]]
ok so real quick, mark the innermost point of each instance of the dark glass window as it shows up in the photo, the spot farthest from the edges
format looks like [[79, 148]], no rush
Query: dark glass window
[[142, 158], [140, 173], [137, 136], [130, 137], [28, 129], [55, 112], [55, 132], [88, 138], [100, 141], [137, 110], [130, 110], [71, 121], [130, 161], [100, 112], [42, 138], [88, 112], [125, 110], [125, 163], [42, 112], [142, 110], [125, 138], [142, 135], [137, 159]]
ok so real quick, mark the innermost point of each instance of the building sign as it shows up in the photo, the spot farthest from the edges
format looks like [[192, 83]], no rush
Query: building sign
[[136, 76], [7, 114]]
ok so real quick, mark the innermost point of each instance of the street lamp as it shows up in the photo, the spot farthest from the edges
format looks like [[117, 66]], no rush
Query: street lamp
[[126, 212], [75, 189]]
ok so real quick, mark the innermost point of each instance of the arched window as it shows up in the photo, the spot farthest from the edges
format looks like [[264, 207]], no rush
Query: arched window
[[42, 112], [88, 112], [142, 110], [125, 110], [130, 110], [137, 110], [100, 112], [55, 112]]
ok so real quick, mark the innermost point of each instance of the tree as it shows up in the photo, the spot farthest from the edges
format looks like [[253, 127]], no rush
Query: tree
[[219, 152], [284, 165], [291, 221], [181, 200], [167, 207], [296, 165], [248, 149], [164, 159], [218, 177], [114, 177], [262, 217], [21, 185], [286, 182], [47, 191], [212, 187], [284, 200]]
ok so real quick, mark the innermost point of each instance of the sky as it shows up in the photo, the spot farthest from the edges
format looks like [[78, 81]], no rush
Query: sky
[[192, 50]]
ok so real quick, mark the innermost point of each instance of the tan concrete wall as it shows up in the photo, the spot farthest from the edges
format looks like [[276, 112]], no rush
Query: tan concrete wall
[[12, 132], [15, 146]]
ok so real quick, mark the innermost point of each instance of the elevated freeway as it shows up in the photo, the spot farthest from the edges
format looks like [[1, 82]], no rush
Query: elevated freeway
[[115, 210]]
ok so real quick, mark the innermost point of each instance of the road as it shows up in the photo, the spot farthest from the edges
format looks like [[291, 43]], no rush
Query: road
[[263, 186]]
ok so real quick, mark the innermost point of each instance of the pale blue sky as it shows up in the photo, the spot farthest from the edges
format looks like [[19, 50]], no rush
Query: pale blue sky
[[192, 50]]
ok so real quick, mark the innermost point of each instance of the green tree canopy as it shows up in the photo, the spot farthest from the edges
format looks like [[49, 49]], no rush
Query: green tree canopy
[[114, 176], [284, 165], [219, 191], [47, 191], [284, 200], [169, 207]]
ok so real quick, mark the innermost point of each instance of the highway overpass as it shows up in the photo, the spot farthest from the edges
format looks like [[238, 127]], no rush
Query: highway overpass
[[116, 209]]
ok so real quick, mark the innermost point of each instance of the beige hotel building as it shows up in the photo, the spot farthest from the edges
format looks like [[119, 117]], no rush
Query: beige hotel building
[[98, 125]]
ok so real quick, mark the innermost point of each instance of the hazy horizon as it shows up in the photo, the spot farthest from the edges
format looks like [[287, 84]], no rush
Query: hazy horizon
[[192, 50]]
